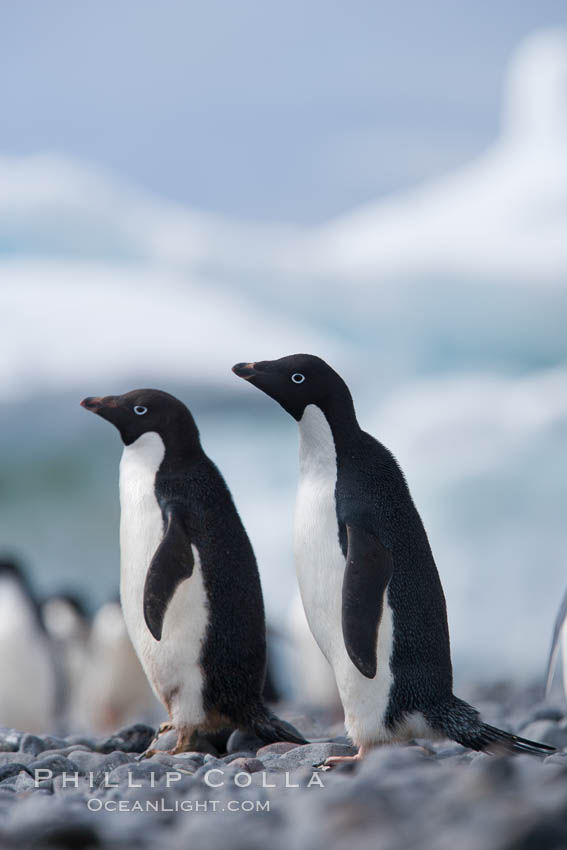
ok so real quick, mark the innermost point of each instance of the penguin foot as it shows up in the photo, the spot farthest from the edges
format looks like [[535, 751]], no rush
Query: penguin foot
[[147, 754], [332, 761], [185, 743], [164, 727]]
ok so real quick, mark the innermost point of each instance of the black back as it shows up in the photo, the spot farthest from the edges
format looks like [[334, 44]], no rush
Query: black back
[[234, 651], [372, 493]]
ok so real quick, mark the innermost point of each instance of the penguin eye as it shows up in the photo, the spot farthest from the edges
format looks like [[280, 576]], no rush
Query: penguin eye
[[139, 410], [297, 378]]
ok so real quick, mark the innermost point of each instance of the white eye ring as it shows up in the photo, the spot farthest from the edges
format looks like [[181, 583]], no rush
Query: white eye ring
[[297, 378], [139, 410]]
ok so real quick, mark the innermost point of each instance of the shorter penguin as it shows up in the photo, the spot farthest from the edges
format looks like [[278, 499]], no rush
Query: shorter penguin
[[189, 583], [368, 581], [28, 687], [558, 641]]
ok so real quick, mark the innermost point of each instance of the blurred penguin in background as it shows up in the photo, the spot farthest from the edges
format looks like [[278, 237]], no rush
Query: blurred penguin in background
[[558, 641], [313, 677], [114, 690], [67, 624], [27, 671]]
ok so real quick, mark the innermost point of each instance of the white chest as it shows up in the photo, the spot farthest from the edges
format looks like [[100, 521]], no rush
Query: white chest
[[171, 664], [319, 560], [320, 566]]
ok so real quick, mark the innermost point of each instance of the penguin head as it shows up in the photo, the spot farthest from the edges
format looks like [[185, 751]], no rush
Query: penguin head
[[297, 381], [139, 412]]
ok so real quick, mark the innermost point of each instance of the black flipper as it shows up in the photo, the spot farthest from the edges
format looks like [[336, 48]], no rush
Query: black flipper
[[557, 629], [172, 563], [368, 571]]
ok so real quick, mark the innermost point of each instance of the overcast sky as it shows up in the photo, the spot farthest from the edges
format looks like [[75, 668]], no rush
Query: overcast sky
[[293, 110]]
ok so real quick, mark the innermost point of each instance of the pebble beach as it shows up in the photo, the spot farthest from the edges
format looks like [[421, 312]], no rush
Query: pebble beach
[[82, 792]]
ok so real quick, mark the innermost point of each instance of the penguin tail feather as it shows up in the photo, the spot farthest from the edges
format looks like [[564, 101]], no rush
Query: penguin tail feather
[[271, 729], [494, 740], [461, 722]]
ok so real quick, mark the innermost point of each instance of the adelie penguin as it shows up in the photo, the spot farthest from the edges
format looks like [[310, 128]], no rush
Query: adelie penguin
[[368, 580], [189, 584]]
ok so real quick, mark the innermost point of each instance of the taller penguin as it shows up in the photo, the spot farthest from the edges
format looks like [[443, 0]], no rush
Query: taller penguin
[[366, 573], [189, 584]]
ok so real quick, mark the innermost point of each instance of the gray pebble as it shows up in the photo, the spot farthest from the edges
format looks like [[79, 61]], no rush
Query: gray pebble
[[24, 782], [32, 744], [10, 758], [52, 742], [87, 761], [189, 763], [239, 741], [110, 762], [135, 773], [9, 739], [9, 770], [250, 765], [277, 749], [56, 764], [132, 739], [308, 755]]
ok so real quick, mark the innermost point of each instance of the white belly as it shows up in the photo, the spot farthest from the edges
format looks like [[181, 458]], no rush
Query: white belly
[[320, 566], [171, 664]]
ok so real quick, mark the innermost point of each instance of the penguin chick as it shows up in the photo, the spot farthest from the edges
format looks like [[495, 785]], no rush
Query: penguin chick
[[189, 583], [367, 577]]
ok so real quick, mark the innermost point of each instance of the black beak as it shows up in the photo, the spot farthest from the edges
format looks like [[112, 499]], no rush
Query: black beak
[[97, 404], [245, 370]]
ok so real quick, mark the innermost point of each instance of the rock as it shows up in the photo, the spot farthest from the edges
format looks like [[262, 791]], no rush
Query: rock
[[9, 770], [212, 763], [204, 743], [243, 754], [56, 764], [9, 739], [32, 744], [132, 739], [188, 762], [10, 758], [52, 742], [24, 782], [239, 741], [250, 765], [394, 757], [308, 755], [136, 774], [87, 761], [278, 749], [306, 725], [110, 762]]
